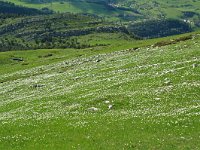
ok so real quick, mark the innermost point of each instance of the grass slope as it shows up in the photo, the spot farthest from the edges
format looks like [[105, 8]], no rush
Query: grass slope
[[153, 92], [77, 7], [148, 9]]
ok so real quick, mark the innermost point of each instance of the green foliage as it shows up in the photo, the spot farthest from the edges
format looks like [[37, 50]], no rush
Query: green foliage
[[159, 28]]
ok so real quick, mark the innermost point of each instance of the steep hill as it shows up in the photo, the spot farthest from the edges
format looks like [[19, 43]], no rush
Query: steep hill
[[135, 98]]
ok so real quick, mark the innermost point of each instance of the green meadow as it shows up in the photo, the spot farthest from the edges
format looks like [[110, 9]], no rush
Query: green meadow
[[129, 94]]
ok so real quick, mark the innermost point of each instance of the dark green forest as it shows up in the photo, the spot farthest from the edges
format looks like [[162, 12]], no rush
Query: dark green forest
[[159, 28]]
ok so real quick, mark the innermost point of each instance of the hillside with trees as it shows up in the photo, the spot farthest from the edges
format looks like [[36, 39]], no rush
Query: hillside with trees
[[7, 8], [53, 31]]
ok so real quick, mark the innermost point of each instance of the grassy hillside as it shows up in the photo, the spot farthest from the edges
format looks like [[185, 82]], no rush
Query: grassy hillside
[[167, 6], [125, 9], [73, 80], [57, 30], [53, 31], [64, 30], [81, 7], [136, 98]]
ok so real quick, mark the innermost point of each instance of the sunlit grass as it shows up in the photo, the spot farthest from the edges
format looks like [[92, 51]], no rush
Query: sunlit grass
[[63, 101]]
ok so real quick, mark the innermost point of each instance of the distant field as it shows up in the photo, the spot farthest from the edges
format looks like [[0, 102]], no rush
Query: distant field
[[170, 7], [152, 9], [75, 7], [111, 97]]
